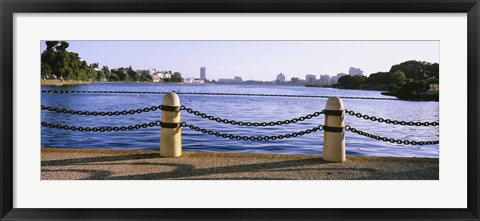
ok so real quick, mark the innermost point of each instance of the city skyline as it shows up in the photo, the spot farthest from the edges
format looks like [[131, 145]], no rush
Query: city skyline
[[255, 60]]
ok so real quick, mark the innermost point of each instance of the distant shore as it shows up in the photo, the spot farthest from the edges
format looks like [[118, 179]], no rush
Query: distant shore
[[414, 97], [63, 83], [134, 82]]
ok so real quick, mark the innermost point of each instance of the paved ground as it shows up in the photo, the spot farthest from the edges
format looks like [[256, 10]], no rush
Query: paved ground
[[73, 164]]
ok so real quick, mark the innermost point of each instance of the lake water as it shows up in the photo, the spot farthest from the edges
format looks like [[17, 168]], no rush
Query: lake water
[[239, 108]]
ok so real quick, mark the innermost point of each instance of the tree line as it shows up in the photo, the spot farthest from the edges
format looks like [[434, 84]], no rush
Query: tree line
[[409, 77], [58, 63]]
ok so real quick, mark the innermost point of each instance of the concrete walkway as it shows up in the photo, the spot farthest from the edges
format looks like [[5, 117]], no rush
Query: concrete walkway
[[100, 164]]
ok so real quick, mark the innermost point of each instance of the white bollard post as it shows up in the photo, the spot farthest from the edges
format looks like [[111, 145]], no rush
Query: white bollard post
[[334, 132], [171, 132]]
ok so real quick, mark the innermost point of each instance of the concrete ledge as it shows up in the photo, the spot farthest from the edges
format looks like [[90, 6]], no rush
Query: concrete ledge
[[102, 164]]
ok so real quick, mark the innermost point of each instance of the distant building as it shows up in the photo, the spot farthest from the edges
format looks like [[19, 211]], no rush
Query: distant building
[[203, 72], [310, 78], [324, 80], [280, 79], [295, 81], [160, 75], [334, 79], [192, 80], [165, 75], [148, 72], [355, 71], [155, 77], [236, 80]]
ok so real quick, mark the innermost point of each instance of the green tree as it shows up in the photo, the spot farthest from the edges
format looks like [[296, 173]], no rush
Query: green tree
[[132, 75], [56, 60], [51, 45], [94, 65], [46, 71], [417, 70], [177, 77], [113, 77], [352, 82], [378, 78], [412, 87], [121, 73], [62, 46]]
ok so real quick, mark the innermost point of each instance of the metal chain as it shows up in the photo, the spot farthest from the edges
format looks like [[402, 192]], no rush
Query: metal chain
[[102, 129], [252, 138], [282, 95], [102, 92], [389, 121], [254, 124], [206, 93], [234, 137], [391, 140], [100, 113]]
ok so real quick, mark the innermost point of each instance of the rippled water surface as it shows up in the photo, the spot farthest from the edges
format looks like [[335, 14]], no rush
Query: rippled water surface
[[239, 108]]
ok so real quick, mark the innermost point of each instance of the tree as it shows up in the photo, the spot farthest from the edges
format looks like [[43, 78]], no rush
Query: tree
[[351, 82], [432, 71], [56, 60], [46, 71], [62, 46], [103, 74], [412, 87], [378, 78], [417, 70], [176, 77], [132, 75], [94, 65], [121, 73], [51, 45], [113, 77], [397, 77]]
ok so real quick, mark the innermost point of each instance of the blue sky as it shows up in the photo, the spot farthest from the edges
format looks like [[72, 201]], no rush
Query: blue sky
[[258, 60]]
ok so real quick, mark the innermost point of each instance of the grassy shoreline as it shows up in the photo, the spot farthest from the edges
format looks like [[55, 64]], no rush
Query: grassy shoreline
[[63, 83]]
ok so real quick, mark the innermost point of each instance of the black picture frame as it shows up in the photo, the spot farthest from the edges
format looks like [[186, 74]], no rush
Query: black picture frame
[[9, 7]]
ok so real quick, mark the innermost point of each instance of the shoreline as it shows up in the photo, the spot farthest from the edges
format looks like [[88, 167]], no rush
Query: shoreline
[[53, 83], [107, 164], [63, 83]]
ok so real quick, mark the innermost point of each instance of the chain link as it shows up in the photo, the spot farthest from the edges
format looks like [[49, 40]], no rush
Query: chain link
[[100, 113], [389, 121], [102, 92], [252, 124], [391, 140], [252, 138], [102, 129]]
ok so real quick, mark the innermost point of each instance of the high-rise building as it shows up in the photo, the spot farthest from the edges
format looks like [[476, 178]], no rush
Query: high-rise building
[[203, 72], [334, 79], [355, 71], [310, 78], [324, 80], [235, 80], [295, 81], [280, 79]]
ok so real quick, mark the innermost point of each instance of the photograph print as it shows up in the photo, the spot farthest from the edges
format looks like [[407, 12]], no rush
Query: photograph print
[[239, 110]]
